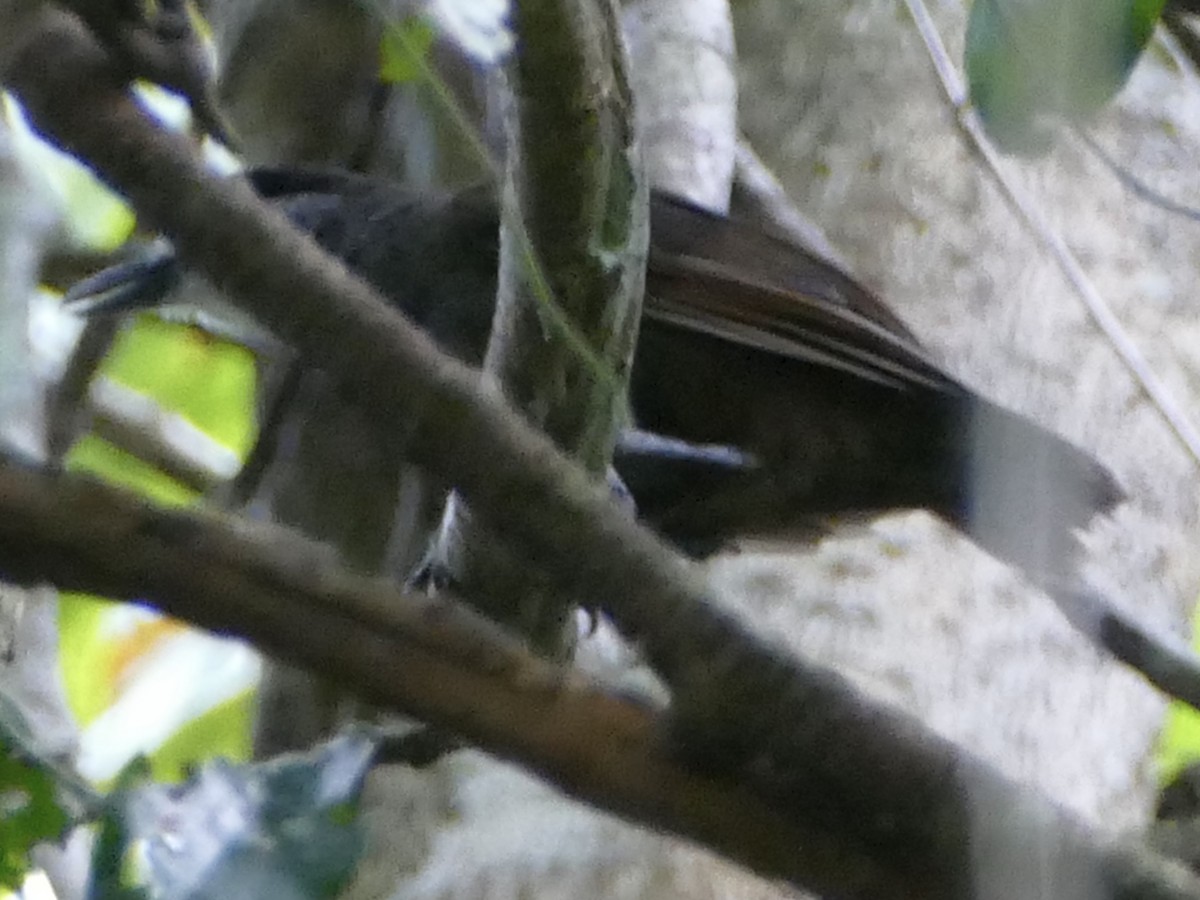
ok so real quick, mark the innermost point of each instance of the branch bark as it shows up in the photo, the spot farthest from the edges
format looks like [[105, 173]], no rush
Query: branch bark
[[436, 660], [429, 658], [573, 244]]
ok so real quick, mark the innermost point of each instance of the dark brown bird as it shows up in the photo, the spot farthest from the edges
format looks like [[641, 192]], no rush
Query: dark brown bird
[[747, 342], [797, 396]]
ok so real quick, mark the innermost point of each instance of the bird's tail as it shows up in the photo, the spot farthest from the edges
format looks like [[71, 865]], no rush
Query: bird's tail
[[1024, 492], [1028, 493]]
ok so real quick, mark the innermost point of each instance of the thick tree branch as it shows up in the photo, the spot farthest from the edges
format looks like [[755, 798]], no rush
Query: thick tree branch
[[429, 658], [860, 781], [436, 660], [579, 194], [572, 250]]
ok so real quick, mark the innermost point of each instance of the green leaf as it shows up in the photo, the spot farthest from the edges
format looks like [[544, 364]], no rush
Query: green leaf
[[1179, 741], [29, 814], [118, 467], [208, 381], [404, 51], [39, 798], [1035, 65], [94, 216], [223, 731], [83, 655]]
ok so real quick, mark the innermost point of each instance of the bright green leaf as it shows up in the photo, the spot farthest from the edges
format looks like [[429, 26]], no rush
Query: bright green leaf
[[39, 797], [99, 457], [223, 731], [1179, 742], [212, 384], [95, 216], [404, 51], [82, 650], [29, 814], [208, 381]]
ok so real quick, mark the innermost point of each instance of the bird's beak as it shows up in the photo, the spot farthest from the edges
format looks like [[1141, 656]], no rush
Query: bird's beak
[[138, 284]]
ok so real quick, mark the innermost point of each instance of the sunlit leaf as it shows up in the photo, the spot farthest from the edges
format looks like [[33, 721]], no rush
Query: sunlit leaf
[[98, 457], [212, 384], [479, 28], [95, 217], [404, 50], [224, 731], [209, 382], [150, 711], [1179, 741]]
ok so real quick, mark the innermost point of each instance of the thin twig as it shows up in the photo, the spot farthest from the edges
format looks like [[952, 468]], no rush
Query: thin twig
[[1135, 185]]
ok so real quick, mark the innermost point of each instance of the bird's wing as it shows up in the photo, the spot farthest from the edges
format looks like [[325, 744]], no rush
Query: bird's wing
[[734, 281]]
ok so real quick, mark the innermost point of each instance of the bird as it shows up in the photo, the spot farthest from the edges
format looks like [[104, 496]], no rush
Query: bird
[[828, 404], [772, 394]]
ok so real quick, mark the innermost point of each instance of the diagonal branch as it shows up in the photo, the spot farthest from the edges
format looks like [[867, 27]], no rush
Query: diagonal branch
[[429, 658], [437, 660]]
